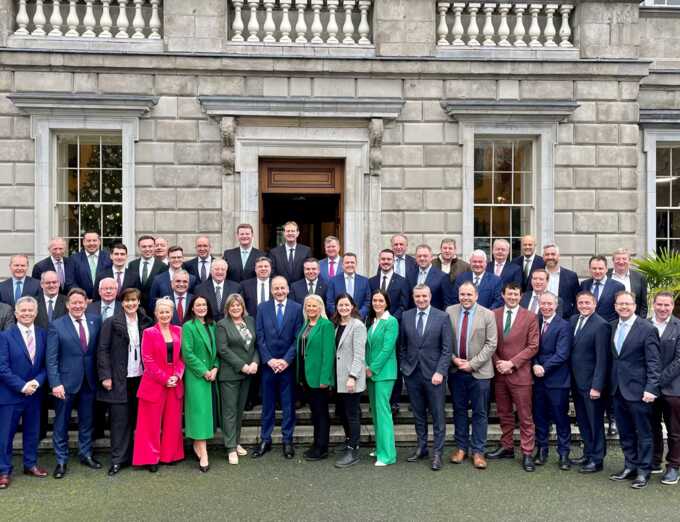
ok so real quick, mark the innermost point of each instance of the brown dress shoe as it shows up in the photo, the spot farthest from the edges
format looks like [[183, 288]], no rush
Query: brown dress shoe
[[5, 481], [478, 461], [458, 456], [36, 471]]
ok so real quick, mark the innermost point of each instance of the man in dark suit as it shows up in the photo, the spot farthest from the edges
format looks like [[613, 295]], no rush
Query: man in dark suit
[[242, 258], [517, 330], [56, 262], [589, 370], [180, 295], [118, 272], [106, 306], [634, 385], [162, 283], [501, 266], [539, 285], [146, 268], [448, 262], [552, 382], [258, 289], [331, 265], [6, 317], [88, 263], [602, 287], [288, 259], [278, 322], [667, 407], [200, 266], [310, 284], [438, 281], [395, 286], [161, 250], [217, 288], [51, 304], [563, 282], [404, 264], [19, 284], [528, 261], [489, 286], [22, 379], [352, 283], [632, 280], [71, 353]]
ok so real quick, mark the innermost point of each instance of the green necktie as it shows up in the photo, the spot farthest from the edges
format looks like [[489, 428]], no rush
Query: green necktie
[[92, 259], [508, 322]]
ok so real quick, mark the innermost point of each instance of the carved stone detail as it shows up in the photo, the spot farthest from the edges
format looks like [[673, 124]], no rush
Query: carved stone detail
[[228, 130], [376, 129]]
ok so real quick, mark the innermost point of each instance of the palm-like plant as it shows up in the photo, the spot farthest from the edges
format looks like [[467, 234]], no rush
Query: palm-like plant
[[662, 270]]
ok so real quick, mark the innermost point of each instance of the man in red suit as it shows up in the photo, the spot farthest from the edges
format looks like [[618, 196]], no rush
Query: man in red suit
[[517, 345]]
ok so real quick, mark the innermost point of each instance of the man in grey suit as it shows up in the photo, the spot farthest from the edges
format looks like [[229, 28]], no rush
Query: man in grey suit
[[474, 342], [6, 317], [425, 337]]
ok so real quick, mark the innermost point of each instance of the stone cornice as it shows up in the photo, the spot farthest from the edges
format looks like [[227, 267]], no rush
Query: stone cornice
[[527, 110], [659, 117], [83, 104]]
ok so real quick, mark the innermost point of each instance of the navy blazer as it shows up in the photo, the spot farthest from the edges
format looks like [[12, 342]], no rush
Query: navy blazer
[[605, 304], [299, 290], [46, 265], [191, 266], [554, 348], [95, 308], [59, 309], [31, 287], [525, 301], [670, 359], [510, 274], [280, 266], [237, 272], [440, 287], [431, 353], [590, 357], [567, 290], [535, 265], [162, 287], [16, 368], [275, 343], [67, 365], [207, 290], [489, 291], [323, 269], [397, 290], [638, 285], [362, 293], [130, 280], [411, 267], [82, 277], [185, 303], [250, 288], [637, 368]]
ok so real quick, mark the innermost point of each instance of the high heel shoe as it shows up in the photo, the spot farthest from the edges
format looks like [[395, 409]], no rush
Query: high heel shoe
[[233, 457], [204, 469]]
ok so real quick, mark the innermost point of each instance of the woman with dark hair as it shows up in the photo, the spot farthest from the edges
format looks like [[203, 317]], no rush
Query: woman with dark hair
[[350, 373], [381, 371], [119, 366], [200, 356]]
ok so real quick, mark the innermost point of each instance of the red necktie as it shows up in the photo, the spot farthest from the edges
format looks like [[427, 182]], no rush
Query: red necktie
[[83, 337], [180, 309], [462, 349], [545, 328], [331, 268]]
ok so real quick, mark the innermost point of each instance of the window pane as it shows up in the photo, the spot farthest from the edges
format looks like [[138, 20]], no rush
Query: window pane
[[523, 156], [72, 225], [73, 245], [113, 221], [482, 221], [502, 186], [90, 218], [483, 187], [483, 243], [675, 162], [675, 245], [72, 155], [112, 153], [112, 191], [663, 162], [503, 156], [515, 247], [675, 191], [501, 221], [663, 192], [661, 224], [89, 154], [522, 189], [674, 224], [516, 228], [483, 156], [90, 189]]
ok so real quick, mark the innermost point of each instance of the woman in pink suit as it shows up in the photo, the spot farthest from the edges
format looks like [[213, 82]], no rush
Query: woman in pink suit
[[159, 421]]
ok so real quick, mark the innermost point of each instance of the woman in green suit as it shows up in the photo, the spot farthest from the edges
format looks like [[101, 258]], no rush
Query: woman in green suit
[[239, 361], [200, 356], [315, 370], [381, 371]]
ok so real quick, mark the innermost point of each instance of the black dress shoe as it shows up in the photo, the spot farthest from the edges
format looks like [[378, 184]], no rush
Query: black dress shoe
[[313, 454], [263, 448], [528, 463], [436, 462], [590, 467], [657, 469], [418, 454], [501, 453], [612, 431], [640, 481], [580, 461], [624, 474], [114, 469], [90, 462], [153, 468], [541, 456], [59, 471], [204, 469], [564, 463], [288, 450]]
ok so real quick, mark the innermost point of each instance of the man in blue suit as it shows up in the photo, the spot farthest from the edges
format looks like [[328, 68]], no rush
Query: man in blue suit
[[489, 286], [426, 340], [589, 370], [602, 287], [310, 284], [331, 265], [119, 271], [528, 261], [563, 282], [354, 284], [552, 382], [539, 285], [19, 285], [634, 385], [501, 265], [71, 353], [22, 376], [56, 262], [404, 264], [278, 322], [258, 289], [88, 263], [433, 277], [180, 295], [395, 286], [242, 258], [162, 283]]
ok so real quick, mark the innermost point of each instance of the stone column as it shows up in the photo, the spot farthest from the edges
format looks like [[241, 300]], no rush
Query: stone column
[[404, 27], [607, 29], [7, 16], [230, 181], [374, 208]]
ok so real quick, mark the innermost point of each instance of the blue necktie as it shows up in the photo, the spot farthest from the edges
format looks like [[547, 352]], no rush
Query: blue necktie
[[596, 291], [420, 326], [17, 290], [279, 315], [620, 335], [350, 286]]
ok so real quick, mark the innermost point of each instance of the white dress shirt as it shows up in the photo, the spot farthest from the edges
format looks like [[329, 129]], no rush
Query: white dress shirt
[[388, 275], [264, 282], [150, 262], [513, 315], [554, 282], [629, 323], [660, 326], [134, 365], [623, 279], [425, 317], [83, 321]]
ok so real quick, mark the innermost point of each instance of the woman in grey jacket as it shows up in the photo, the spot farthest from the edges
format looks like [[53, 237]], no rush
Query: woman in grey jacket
[[350, 370]]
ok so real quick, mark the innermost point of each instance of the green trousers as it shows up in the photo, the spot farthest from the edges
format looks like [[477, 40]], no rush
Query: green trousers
[[233, 396], [379, 395]]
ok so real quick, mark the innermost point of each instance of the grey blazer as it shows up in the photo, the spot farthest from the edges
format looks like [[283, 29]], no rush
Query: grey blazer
[[482, 340], [6, 316], [670, 359], [350, 357]]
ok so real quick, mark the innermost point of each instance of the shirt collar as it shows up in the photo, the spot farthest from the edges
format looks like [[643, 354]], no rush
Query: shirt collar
[[276, 303], [549, 319], [470, 310], [662, 322], [601, 281], [388, 273], [55, 261], [427, 310], [513, 310], [629, 321]]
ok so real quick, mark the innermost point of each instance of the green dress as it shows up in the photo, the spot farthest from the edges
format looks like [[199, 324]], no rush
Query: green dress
[[200, 355]]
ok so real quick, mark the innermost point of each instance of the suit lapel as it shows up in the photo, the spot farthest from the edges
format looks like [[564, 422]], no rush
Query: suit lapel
[[345, 333], [19, 339]]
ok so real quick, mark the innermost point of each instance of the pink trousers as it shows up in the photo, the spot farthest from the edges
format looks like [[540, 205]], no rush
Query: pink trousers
[[158, 436]]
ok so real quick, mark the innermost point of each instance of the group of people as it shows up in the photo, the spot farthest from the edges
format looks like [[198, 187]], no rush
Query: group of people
[[164, 341]]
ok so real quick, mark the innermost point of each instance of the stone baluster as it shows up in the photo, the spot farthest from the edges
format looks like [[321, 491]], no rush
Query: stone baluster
[[549, 32], [88, 20], [317, 28], [443, 27], [237, 27], [105, 21], [56, 20], [39, 19], [473, 28], [565, 30], [122, 22], [457, 31], [534, 28], [364, 28], [285, 21], [155, 22], [22, 20], [72, 20], [253, 24], [503, 27], [138, 21], [332, 27], [268, 25], [488, 31], [518, 31], [301, 23], [348, 26]]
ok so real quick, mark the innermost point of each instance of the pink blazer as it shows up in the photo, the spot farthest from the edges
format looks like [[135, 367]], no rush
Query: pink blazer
[[157, 370]]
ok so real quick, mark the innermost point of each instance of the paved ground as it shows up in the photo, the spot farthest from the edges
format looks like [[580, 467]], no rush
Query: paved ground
[[275, 489]]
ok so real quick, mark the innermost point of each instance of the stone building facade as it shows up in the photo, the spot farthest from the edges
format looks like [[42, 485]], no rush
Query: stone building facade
[[439, 119]]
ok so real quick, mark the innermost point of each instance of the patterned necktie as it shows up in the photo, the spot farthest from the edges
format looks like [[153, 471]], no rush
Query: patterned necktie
[[422, 276], [476, 281], [420, 326], [218, 296], [620, 337], [279, 315], [310, 290], [145, 272], [30, 344], [50, 310], [204, 272], [107, 308], [92, 260], [527, 267], [462, 346], [499, 269], [60, 273], [82, 335], [17, 290], [546, 324], [508, 322], [180, 308], [331, 268], [399, 270], [119, 281]]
